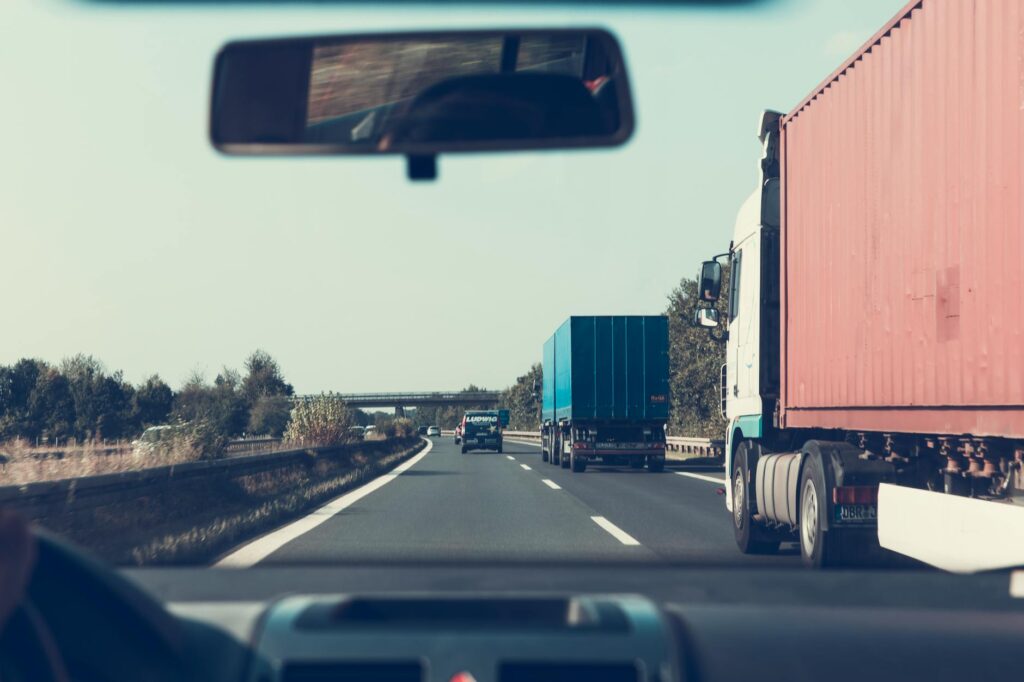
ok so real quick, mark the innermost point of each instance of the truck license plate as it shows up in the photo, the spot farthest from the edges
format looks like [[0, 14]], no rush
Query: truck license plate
[[856, 513]]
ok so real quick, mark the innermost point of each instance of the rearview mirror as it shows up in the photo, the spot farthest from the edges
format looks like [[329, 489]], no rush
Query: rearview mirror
[[421, 94], [710, 281], [705, 317]]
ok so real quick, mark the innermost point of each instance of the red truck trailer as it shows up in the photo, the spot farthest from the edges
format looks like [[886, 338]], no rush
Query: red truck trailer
[[875, 331]]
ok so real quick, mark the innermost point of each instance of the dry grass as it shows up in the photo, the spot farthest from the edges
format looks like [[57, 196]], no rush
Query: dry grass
[[194, 519], [271, 500], [28, 464]]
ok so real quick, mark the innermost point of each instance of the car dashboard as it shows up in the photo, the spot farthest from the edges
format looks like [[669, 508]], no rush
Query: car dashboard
[[503, 622], [410, 634]]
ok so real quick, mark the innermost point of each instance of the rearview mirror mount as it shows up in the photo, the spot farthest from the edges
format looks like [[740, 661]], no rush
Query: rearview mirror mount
[[421, 94]]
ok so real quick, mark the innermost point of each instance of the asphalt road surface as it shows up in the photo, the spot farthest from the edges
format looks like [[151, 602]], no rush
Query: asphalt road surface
[[512, 506]]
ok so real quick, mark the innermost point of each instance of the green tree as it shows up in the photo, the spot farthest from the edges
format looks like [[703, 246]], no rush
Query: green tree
[[16, 385], [695, 361], [152, 403], [102, 403], [269, 415], [263, 378], [51, 407], [522, 400], [220, 405]]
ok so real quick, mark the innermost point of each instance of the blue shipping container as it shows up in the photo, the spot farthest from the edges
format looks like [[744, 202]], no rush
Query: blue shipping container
[[607, 368]]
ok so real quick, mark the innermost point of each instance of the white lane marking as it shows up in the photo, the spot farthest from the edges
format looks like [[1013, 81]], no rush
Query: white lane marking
[[260, 548], [525, 467], [551, 484], [511, 457], [1017, 584], [616, 532], [702, 477]]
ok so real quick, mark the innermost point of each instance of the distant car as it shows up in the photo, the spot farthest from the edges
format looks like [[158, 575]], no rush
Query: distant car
[[423, 431], [434, 431], [156, 437], [369, 431], [357, 431]]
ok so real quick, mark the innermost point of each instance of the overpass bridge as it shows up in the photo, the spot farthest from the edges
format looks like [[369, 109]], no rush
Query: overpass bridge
[[400, 400]]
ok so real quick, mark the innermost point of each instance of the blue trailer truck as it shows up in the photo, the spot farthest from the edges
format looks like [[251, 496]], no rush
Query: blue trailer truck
[[605, 394]]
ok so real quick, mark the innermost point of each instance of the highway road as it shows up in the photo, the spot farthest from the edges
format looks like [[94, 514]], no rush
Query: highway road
[[485, 506]]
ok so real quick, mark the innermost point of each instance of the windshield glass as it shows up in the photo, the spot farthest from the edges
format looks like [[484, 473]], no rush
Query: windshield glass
[[168, 306]]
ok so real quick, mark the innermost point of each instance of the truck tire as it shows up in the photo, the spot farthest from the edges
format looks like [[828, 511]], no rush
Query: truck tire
[[565, 460], [500, 444], [543, 455], [655, 465], [751, 537], [819, 548], [577, 464], [464, 450]]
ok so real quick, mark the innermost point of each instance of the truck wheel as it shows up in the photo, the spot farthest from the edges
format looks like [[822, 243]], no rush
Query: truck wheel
[[499, 448], [655, 465], [751, 538], [464, 450], [578, 464], [636, 463], [818, 547], [543, 455], [565, 460]]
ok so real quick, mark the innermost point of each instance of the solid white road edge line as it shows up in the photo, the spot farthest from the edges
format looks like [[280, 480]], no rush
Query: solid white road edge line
[[551, 484], [259, 549], [525, 467], [702, 477], [616, 532]]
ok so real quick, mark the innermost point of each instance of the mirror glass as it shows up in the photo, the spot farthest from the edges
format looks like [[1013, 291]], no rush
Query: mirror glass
[[710, 281], [705, 317], [421, 93]]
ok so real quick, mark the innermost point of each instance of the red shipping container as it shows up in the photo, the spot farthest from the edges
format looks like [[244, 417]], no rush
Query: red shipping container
[[902, 239]]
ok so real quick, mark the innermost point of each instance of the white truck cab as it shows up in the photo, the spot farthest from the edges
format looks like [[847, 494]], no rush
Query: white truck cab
[[748, 388]]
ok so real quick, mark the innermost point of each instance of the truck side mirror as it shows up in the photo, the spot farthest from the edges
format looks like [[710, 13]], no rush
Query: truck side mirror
[[710, 281], [705, 317]]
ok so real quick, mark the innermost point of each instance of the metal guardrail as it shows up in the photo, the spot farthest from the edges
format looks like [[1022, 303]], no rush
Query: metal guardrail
[[251, 445], [704, 447], [42, 497]]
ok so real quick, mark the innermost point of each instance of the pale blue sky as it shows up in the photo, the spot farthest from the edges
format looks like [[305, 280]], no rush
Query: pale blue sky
[[124, 235]]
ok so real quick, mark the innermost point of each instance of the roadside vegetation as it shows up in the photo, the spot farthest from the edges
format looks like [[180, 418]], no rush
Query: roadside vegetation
[[76, 419]]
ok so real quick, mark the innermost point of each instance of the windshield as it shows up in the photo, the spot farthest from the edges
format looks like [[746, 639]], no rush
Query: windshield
[[168, 306]]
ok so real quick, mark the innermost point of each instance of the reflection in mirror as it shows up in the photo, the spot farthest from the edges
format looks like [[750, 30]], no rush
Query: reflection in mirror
[[710, 281], [421, 93], [705, 317]]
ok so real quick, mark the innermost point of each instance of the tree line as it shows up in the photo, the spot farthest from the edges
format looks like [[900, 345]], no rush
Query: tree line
[[78, 398]]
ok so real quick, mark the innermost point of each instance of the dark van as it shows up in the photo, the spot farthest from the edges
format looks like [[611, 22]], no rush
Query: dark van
[[481, 430]]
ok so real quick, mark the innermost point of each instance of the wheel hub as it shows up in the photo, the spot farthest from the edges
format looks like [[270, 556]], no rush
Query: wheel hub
[[809, 518], [738, 506]]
